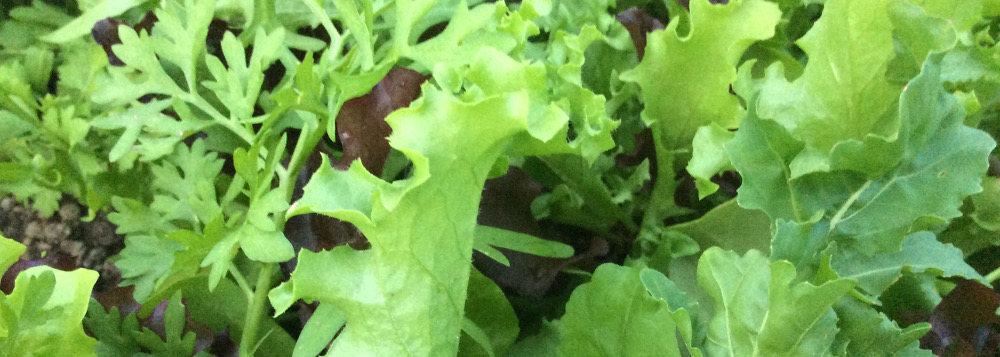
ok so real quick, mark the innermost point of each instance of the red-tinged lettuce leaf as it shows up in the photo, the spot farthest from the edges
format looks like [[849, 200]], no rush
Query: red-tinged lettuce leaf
[[965, 320], [867, 332], [43, 314], [921, 253], [361, 126], [760, 311], [639, 24], [695, 71], [614, 315], [406, 294]]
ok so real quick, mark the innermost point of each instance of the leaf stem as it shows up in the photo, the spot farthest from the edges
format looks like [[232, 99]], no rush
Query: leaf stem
[[256, 309], [993, 275], [843, 208], [661, 200], [241, 281]]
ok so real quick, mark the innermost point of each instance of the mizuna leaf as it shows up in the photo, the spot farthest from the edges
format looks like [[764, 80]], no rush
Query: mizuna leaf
[[614, 315], [921, 253], [406, 294], [685, 80], [760, 312]]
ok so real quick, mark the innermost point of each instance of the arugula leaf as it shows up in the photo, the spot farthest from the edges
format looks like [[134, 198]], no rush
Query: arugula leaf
[[866, 332], [921, 253]]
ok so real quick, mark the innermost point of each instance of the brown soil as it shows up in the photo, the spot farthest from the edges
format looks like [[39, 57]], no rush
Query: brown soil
[[87, 244]]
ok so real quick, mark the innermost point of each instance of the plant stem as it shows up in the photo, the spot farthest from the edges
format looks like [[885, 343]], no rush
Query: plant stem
[[993, 275], [256, 310], [661, 200]]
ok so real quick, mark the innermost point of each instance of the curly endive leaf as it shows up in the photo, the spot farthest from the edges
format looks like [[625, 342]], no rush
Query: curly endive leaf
[[406, 295]]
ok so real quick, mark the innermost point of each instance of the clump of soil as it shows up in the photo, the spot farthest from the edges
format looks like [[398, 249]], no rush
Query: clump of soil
[[87, 244]]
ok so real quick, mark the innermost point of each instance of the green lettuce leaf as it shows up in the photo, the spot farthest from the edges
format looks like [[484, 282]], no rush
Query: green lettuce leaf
[[685, 79], [921, 253], [614, 315], [406, 294], [43, 315], [843, 93], [759, 311]]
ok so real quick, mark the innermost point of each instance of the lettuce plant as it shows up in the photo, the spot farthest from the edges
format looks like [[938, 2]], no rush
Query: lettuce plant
[[540, 177]]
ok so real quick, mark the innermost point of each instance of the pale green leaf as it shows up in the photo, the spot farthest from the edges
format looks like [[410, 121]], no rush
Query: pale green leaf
[[81, 25], [421, 229], [614, 315], [695, 70]]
